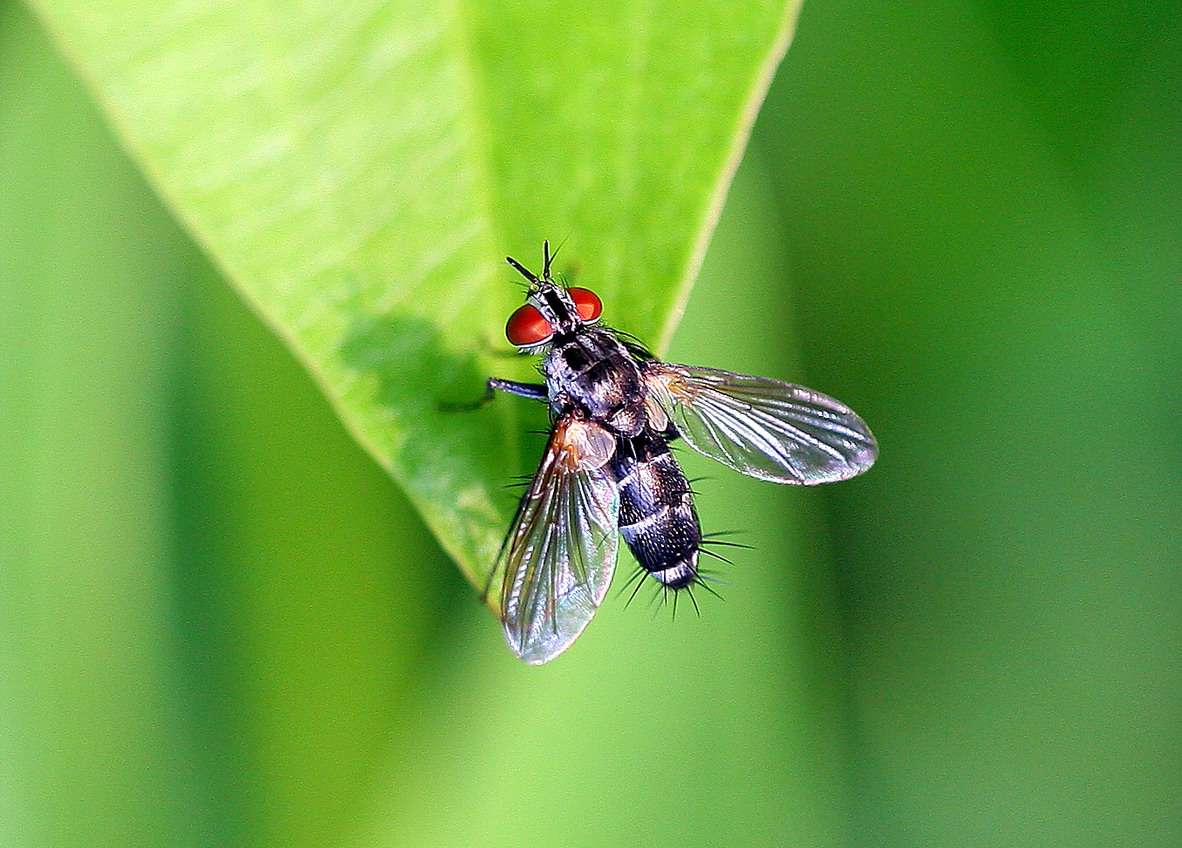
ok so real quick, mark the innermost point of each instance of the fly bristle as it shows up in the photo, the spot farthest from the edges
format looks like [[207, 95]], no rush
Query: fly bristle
[[519, 481], [704, 581], [701, 580], [637, 573], [666, 595], [721, 543], [712, 575], [662, 595], [637, 578], [632, 343], [635, 591], [716, 556]]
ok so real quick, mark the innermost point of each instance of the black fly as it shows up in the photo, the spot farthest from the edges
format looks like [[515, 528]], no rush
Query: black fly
[[607, 470]]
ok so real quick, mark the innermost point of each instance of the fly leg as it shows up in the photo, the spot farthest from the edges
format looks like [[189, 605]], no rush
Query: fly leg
[[533, 391]]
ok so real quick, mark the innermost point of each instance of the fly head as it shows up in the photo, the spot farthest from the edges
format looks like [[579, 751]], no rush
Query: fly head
[[551, 309]]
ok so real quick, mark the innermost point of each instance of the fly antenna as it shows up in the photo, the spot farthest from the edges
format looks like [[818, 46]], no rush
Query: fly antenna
[[522, 270], [546, 259], [557, 251]]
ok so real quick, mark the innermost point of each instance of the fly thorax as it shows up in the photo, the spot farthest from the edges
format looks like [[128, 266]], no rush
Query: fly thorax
[[598, 378]]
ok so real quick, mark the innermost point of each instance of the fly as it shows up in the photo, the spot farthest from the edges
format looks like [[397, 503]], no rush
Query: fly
[[607, 470]]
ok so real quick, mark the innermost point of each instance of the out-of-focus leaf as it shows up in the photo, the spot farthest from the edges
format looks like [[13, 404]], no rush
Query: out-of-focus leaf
[[93, 737], [992, 276]]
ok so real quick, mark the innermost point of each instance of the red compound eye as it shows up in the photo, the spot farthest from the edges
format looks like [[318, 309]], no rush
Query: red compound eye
[[587, 302], [526, 326]]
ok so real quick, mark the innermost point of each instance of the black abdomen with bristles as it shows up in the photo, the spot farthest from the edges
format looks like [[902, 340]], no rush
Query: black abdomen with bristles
[[657, 515]]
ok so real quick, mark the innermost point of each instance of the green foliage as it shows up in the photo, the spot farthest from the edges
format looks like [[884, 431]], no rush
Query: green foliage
[[984, 232], [358, 171]]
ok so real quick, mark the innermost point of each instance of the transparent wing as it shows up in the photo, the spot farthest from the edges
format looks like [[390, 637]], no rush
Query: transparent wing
[[761, 427], [560, 553]]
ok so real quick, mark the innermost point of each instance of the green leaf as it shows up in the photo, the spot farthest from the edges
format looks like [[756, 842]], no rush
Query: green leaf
[[359, 169]]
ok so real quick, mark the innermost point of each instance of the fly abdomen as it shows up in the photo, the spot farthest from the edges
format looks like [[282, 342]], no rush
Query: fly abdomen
[[657, 515]]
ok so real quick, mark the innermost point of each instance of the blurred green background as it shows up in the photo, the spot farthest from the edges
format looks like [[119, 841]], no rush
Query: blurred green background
[[220, 624]]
